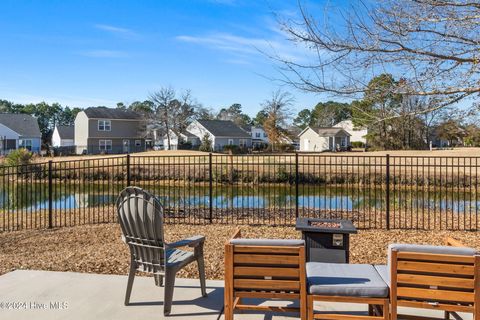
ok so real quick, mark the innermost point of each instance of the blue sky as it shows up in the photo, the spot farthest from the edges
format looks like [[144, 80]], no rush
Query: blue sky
[[86, 53]]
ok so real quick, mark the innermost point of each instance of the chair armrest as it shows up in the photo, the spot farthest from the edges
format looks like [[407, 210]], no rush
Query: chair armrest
[[449, 241], [194, 241]]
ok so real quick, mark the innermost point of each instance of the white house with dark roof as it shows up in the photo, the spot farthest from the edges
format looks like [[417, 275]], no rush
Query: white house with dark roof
[[108, 130], [176, 140], [221, 133], [313, 139], [63, 136], [357, 134], [19, 131]]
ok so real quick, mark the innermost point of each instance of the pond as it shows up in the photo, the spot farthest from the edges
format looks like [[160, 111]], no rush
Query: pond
[[32, 197]]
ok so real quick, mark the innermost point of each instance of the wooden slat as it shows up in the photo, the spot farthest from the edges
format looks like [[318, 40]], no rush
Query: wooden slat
[[421, 256], [373, 301], [439, 306], [266, 284], [435, 267], [449, 241], [429, 294], [265, 259], [460, 283], [266, 308], [267, 272], [267, 295], [334, 316], [265, 249]]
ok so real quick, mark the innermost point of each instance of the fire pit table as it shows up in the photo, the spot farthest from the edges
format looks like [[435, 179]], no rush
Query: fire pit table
[[326, 240]]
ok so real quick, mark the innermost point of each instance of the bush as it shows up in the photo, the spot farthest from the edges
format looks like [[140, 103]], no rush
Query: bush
[[233, 149], [185, 146], [19, 157], [285, 147], [206, 145], [357, 144]]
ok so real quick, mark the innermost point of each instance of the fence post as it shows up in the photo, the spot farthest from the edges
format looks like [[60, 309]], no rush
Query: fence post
[[296, 185], [210, 187], [387, 194], [128, 171], [50, 195]]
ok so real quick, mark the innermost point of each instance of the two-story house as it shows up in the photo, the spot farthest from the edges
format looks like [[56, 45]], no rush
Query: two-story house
[[107, 130]]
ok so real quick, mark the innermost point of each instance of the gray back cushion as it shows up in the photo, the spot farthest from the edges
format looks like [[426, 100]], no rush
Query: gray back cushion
[[268, 242]]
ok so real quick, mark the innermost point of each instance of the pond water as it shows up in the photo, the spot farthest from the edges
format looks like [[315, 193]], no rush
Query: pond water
[[34, 197]]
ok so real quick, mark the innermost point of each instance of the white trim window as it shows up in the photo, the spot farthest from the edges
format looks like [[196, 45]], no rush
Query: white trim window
[[105, 145], [25, 144], [138, 143], [230, 142], [243, 143], [257, 134], [104, 125]]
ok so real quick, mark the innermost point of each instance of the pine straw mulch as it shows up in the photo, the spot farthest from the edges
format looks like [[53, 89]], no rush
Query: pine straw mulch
[[98, 248]]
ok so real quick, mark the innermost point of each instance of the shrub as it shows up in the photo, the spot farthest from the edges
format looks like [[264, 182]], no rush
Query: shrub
[[206, 145], [231, 149], [285, 147], [19, 157], [357, 144]]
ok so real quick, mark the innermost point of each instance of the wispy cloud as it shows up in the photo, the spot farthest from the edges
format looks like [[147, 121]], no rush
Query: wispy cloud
[[119, 31], [249, 46], [104, 54]]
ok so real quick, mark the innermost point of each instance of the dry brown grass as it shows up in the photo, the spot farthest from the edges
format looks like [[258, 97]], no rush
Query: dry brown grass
[[98, 248]]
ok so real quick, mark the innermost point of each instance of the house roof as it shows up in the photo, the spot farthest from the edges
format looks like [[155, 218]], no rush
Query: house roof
[[188, 134], [111, 113], [23, 124], [327, 131], [66, 132], [223, 128]]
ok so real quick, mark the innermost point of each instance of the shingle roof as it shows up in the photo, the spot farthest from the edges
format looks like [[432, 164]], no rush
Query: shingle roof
[[111, 113], [23, 124], [328, 131], [66, 132], [189, 134], [222, 128]]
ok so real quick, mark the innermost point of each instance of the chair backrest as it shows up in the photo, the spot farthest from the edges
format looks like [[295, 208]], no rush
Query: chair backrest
[[140, 215], [435, 277], [265, 268]]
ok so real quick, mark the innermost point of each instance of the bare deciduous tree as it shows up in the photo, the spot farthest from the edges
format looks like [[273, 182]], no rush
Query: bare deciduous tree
[[432, 45], [170, 114], [277, 109]]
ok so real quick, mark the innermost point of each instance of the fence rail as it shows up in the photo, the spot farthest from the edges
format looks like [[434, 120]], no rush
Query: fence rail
[[401, 192]]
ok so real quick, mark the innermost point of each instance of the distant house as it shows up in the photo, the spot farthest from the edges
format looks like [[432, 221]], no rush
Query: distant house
[[356, 134], [323, 139], [221, 133], [176, 140], [63, 136], [108, 130], [19, 131]]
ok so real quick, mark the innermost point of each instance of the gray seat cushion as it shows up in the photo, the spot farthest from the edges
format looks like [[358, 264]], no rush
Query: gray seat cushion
[[463, 251], [268, 242], [384, 272], [339, 279]]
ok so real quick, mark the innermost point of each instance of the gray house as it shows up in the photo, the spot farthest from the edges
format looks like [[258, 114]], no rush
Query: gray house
[[19, 131], [323, 139], [221, 133], [108, 130]]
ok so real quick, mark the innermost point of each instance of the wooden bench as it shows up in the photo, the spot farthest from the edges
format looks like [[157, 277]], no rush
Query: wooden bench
[[264, 269]]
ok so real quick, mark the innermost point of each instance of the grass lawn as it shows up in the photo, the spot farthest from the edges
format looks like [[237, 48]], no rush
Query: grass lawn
[[98, 248]]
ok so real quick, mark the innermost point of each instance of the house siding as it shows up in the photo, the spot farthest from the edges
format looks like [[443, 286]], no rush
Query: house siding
[[315, 142], [221, 142], [117, 146]]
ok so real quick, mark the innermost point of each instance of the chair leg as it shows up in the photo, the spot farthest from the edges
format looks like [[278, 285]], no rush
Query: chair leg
[[310, 307], [201, 272], [168, 289], [158, 280], [131, 277]]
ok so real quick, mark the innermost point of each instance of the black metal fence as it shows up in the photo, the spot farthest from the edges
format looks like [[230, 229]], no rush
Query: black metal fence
[[401, 192]]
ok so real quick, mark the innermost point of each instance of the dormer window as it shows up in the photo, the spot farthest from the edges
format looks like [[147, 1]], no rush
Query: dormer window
[[104, 125]]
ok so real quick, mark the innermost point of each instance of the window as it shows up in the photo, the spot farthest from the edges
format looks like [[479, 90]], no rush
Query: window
[[230, 142], [264, 134], [105, 145], [104, 125], [138, 143], [243, 143], [257, 135], [25, 144]]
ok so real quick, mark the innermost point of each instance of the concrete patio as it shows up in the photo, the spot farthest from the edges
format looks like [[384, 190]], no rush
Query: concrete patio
[[40, 295]]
